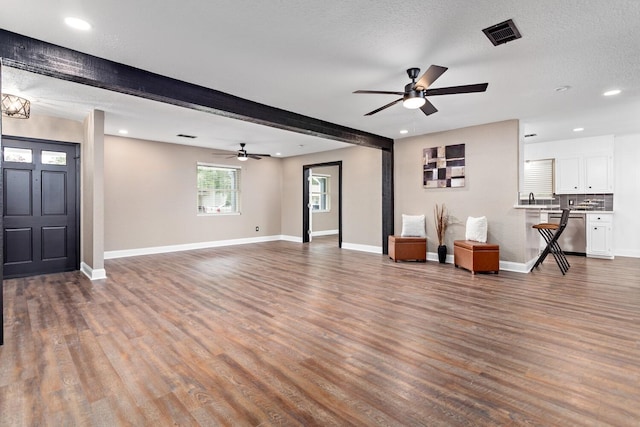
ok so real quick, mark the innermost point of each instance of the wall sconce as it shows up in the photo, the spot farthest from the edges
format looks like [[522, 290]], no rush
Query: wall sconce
[[15, 106]]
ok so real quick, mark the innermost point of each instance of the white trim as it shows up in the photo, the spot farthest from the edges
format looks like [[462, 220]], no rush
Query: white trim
[[362, 248], [631, 253], [516, 267], [324, 233], [294, 239], [97, 274], [188, 247]]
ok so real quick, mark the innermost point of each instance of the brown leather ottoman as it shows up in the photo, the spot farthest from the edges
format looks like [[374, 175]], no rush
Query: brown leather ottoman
[[476, 256], [408, 248]]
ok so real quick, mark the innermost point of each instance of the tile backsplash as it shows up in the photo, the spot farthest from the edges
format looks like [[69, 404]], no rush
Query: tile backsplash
[[599, 202]]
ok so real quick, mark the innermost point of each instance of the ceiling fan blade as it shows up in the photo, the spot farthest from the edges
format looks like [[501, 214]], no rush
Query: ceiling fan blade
[[254, 156], [383, 107], [260, 155], [430, 76], [480, 87], [380, 92], [428, 108]]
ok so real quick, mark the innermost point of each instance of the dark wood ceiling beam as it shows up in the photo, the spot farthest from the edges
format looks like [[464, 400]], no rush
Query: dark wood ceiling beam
[[44, 58]]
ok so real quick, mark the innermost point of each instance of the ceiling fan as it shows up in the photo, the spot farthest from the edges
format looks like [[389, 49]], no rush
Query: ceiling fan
[[243, 156], [415, 93]]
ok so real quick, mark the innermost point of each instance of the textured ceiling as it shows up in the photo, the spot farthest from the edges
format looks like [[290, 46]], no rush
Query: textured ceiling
[[309, 56]]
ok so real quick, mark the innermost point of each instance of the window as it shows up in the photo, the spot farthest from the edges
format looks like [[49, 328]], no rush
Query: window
[[218, 189], [20, 155], [319, 194], [538, 179], [54, 158]]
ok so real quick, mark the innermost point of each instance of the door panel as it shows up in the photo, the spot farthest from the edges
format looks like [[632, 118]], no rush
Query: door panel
[[40, 209], [18, 192]]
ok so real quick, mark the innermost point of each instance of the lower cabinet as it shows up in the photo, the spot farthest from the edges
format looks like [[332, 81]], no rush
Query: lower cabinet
[[600, 235]]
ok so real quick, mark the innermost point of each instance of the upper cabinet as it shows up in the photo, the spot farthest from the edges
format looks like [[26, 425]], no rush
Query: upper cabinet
[[584, 175]]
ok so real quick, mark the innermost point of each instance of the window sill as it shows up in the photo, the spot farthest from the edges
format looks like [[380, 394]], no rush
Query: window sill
[[219, 214]]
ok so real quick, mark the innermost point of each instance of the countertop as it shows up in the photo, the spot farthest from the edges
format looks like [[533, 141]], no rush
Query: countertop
[[573, 211], [538, 207]]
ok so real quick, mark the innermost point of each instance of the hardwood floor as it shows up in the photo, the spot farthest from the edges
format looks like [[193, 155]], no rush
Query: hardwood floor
[[284, 334]]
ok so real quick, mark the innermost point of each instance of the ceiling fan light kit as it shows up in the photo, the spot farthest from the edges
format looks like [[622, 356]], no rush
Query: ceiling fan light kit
[[413, 99], [415, 93], [15, 107], [243, 156]]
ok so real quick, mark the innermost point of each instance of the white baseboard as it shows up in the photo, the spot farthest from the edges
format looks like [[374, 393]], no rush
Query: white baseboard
[[362, 248], [190, 246], [628, 253], [93, 274], [431, 256], [516, 267], [324, 233]]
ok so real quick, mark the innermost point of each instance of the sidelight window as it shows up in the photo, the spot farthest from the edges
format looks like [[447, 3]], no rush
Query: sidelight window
[[218, 189]]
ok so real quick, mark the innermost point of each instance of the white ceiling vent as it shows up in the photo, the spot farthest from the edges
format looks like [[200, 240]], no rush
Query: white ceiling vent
[[502, 33]]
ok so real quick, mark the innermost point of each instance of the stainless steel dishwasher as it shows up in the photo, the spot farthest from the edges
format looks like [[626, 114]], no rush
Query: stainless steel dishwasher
[[573, 239]]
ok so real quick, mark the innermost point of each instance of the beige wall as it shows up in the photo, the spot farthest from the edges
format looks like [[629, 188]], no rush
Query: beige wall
[[491, 186], [328, 221], [361, 193], [150, 196], [44, 127]]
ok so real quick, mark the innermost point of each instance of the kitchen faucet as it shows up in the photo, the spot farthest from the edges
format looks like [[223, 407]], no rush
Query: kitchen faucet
[[532, 198]]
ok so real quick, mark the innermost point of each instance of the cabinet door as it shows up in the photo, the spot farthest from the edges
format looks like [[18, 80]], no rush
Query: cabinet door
[[568, 175], [598, 240], [597, 171]]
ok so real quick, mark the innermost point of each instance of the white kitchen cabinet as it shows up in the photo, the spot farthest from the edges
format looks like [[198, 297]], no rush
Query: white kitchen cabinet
[[600, 235], [584, 175], [569, 172], [598, 174]]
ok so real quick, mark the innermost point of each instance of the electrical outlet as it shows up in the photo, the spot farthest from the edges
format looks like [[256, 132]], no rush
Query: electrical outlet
[[257, 228], [571, 202]]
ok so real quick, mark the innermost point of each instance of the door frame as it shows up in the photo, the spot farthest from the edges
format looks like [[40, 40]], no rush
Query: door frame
[[306, 220], [76, 159]]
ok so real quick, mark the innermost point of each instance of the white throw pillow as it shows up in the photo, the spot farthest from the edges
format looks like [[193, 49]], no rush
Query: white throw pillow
[[413, 226], [477, 229]]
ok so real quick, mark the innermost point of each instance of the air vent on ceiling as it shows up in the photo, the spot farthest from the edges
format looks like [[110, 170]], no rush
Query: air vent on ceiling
[[502, 33], [182, 135]]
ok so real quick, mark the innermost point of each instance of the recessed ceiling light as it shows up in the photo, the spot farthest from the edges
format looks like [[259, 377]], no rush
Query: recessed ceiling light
[[123, 131], [578, 129], [562, 88], [77, 23], [404, 131], [612, 92]]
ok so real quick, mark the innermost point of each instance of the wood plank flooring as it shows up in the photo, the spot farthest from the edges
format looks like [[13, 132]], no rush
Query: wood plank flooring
[[284, 334]]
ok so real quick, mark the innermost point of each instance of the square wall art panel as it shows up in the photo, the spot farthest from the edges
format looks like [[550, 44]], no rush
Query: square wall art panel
[[443, 166]]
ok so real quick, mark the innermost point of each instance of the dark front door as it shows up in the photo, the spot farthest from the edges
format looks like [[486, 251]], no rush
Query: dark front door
[[40, 207]]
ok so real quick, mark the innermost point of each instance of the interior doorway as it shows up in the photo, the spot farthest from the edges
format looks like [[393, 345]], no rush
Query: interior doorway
[[322, 201], [41, 206]]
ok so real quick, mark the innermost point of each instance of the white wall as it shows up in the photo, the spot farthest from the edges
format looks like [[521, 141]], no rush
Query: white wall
[[626, 201], [569, 148]]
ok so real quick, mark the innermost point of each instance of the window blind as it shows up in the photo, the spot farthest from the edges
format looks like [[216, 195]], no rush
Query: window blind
[[538, 178]]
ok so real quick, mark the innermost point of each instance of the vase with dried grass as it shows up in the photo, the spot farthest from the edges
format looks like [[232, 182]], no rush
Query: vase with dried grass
[[441, 218]]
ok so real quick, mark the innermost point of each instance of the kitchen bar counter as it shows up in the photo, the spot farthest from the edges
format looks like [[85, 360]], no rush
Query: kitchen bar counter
[[538, 207]]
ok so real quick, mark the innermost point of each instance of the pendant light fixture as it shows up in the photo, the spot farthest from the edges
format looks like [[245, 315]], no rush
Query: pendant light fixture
[[15, 107]]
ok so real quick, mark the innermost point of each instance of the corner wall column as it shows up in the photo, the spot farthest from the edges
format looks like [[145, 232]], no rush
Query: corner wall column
[[92, 204], [387, 198]]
